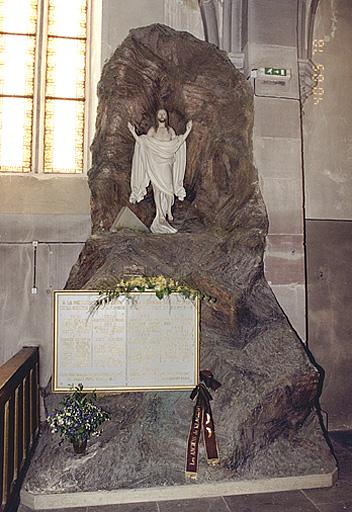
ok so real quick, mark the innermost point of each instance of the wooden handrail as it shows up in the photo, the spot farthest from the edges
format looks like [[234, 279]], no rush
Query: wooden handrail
[[19, 422]]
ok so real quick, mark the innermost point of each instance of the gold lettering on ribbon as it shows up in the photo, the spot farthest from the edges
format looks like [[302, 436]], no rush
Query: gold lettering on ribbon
[[202, 422], [208, 428], [195, 433]]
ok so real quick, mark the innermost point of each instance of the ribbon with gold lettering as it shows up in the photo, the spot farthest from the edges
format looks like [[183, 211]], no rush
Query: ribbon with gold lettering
[[202, 421]]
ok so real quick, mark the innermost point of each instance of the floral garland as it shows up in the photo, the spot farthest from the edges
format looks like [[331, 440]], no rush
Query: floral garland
[[161, 285]]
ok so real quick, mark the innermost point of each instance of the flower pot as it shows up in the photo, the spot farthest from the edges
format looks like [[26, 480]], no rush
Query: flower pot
[[79, 445]]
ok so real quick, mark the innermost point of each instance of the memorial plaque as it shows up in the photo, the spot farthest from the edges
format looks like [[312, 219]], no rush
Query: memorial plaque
[[132, 344]]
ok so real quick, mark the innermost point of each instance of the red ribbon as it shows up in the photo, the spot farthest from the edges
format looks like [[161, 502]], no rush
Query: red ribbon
[[202, 422]]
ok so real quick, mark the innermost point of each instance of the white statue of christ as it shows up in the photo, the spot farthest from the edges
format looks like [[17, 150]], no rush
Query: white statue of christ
[[160, 158]]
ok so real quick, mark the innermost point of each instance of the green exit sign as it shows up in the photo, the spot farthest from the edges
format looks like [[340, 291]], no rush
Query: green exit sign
[[276, 71]]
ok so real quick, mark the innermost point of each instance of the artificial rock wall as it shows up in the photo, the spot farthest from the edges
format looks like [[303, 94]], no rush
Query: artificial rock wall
[[267, 414]]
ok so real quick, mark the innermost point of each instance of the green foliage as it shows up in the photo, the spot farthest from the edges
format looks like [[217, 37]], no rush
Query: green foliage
[[79, 418]]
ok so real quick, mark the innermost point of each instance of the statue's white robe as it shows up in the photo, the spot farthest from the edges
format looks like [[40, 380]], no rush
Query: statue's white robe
[[162, 163]]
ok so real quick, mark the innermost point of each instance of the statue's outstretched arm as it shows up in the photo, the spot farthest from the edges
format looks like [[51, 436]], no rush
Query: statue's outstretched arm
[[132, 129], [188, 129]]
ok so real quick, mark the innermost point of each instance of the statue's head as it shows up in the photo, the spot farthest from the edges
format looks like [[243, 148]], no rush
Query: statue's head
[[162, 116]]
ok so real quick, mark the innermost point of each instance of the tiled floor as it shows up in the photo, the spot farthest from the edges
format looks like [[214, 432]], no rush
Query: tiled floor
[[335, 499]]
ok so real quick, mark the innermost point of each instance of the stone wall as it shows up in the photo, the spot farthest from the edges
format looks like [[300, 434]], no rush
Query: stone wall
[[54, 212], [277, 151], [328, 153]]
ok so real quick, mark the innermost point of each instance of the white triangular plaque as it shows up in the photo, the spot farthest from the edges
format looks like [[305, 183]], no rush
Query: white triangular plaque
[[127, 219]]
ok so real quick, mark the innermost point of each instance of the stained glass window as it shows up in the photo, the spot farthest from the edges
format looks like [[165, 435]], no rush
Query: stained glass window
[[17, 58], [42, 85], [65, 86]]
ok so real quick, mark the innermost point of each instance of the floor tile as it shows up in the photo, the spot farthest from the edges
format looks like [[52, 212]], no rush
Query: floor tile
[[74, 509], [293, 501], [341, 491], [128, 507], [22, 508], [344, 458], [345, 468], [195, 505], [341, 451], [343, 438], [336, 507]]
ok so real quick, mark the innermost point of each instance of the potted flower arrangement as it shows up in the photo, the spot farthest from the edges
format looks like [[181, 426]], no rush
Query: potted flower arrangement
[[78, 419]]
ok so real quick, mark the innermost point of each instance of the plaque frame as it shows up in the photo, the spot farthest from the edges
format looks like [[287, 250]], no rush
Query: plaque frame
[[56, 388]]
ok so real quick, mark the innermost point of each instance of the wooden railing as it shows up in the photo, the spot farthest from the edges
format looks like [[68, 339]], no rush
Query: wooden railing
[[19, 422]]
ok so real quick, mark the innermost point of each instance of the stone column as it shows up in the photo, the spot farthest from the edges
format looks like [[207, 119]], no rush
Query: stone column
[[210, 21], [238, 32], [184, 15], [227, 26], [236, 26]]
